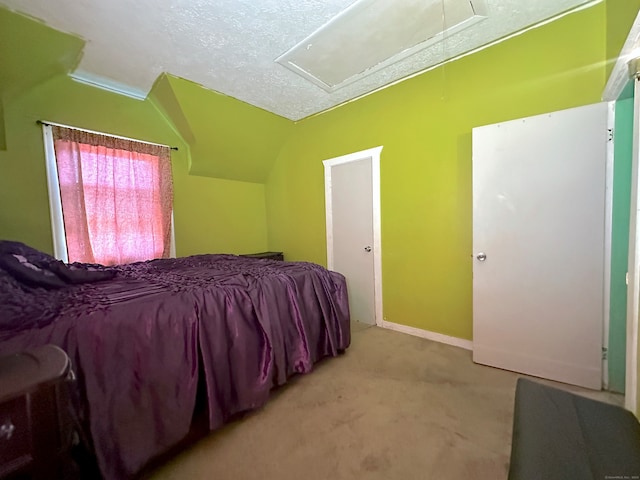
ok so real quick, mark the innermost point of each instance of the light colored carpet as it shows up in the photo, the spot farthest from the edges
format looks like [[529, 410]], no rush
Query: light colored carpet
[[392, 407]]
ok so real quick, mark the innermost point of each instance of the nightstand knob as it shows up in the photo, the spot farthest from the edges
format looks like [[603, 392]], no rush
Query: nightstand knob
[[7, 429]]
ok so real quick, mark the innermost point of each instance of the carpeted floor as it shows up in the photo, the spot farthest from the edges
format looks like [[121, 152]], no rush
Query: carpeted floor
[[392, 407]]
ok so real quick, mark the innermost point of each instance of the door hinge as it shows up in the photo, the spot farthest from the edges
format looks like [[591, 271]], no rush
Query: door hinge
[[610, 130], [605, 353]]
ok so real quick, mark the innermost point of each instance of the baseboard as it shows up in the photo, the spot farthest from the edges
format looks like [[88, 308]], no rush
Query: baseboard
[[436, 337]]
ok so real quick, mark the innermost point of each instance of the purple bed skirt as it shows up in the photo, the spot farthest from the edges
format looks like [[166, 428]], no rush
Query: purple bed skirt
[[138, 342]]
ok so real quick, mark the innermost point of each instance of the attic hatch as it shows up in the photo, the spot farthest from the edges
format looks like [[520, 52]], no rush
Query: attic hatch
[[373, 34]]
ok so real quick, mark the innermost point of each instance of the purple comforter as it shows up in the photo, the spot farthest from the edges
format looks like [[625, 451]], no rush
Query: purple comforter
[[136, 342]]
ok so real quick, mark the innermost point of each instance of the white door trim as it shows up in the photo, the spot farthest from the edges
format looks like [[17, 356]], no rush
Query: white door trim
[[633, 289], [608, 233], [373, 154], [55, 199]]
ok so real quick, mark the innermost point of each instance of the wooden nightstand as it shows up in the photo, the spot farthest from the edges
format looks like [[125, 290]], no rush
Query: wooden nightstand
[[36, 428], [267, 255]]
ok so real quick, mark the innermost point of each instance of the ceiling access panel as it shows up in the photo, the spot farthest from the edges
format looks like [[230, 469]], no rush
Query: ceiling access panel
[[373, 34]]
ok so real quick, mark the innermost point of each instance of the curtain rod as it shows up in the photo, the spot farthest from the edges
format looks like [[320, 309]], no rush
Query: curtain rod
[[42, 122]]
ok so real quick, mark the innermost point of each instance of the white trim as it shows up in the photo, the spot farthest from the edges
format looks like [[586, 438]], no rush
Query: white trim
[[328, 205], [353, 157], [377, 233], [608, 228], [620, 74], [373, 154], [172, 246], [436, 337], [46, 122], [633, 291], [55, 201], [108, 85]]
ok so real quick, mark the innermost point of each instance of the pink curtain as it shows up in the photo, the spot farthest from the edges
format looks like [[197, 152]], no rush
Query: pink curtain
[[117, 197]]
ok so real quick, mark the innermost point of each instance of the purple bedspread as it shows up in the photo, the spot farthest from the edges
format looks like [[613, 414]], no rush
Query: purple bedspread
[[134, 342]]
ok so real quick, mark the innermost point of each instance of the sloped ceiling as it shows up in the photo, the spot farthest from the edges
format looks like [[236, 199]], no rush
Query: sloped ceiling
[[230, 46], [228, 138], [50, 53]]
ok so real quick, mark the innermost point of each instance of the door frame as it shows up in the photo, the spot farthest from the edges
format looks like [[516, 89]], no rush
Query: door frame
[[373, 155], [621, 74], [608, 238], [633, 274]]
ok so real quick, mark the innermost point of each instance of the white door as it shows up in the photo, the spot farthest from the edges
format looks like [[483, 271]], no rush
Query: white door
[[351, 191], [539, 244]]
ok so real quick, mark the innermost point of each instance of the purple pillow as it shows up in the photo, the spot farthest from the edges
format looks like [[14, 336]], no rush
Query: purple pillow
[[31, 254], [27, 273], [80, 273], [38, 269]]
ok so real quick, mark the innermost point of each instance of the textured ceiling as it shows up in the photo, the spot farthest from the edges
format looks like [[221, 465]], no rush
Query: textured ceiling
[[230, 45]]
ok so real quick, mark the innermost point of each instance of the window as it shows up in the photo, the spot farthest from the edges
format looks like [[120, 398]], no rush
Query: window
[[111, 198]]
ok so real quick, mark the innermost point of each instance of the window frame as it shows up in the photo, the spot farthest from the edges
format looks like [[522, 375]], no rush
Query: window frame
[[55, 201]]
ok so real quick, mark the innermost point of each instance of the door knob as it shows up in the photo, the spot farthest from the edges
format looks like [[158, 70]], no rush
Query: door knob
[[367, 249], [482, 257]]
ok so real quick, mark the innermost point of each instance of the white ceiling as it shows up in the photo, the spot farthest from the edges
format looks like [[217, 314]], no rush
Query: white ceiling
[[231, 45]]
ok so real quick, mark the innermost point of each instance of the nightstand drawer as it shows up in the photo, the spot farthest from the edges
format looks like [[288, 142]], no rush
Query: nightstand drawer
[[15, 435]]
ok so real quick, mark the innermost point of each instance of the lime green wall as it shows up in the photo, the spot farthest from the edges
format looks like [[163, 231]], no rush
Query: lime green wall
[[231, 139], [424, 124], [211, 215], [425, 127], [620, 16], [620, 243], [3, 139], [49, 51]]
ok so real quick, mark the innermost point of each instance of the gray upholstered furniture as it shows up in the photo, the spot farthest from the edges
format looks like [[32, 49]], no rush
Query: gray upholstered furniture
[[561, 436]]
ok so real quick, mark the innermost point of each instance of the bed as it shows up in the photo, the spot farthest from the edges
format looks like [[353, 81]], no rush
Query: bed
[[140, 335]]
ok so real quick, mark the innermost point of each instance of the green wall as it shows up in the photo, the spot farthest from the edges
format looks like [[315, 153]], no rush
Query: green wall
[[3, 138], [211, 215], [425, 127], [231, 139], [223, 214], [423, 123], [31, 53], [620, 16], [620, 243]]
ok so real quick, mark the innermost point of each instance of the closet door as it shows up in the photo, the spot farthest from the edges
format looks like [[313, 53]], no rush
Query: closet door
[[539, 244]]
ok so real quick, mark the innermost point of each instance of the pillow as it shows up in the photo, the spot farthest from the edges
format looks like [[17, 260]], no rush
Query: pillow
[[38, 269], [80, 273], [26, 272], [31, 254]]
